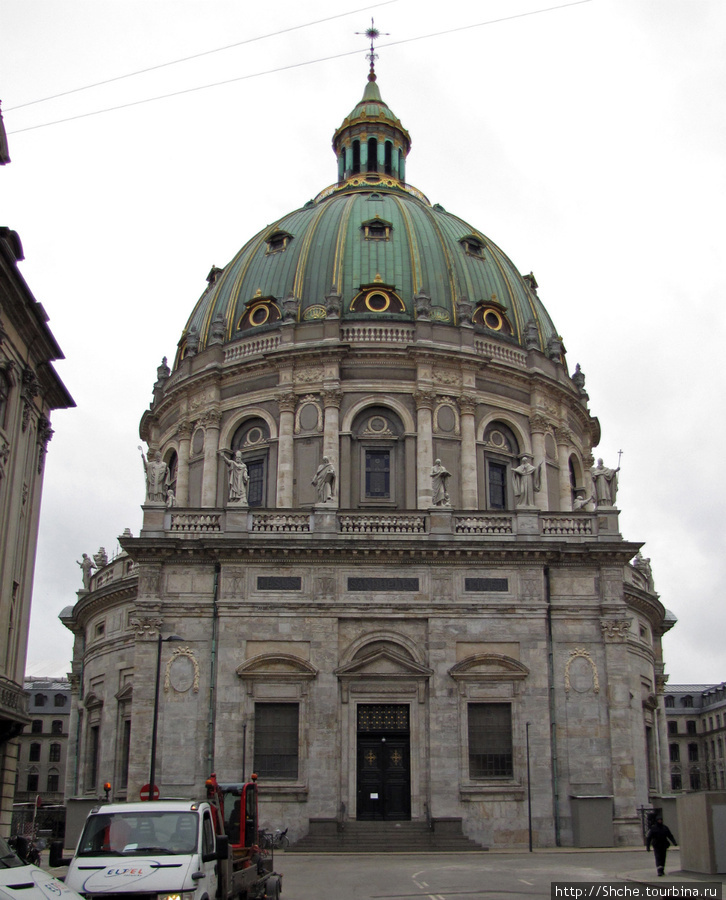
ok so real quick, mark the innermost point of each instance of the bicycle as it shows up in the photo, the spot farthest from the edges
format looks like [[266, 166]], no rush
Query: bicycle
[[277, 840]]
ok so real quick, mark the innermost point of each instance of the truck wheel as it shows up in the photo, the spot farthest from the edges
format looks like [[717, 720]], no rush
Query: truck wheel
[[272, 889]]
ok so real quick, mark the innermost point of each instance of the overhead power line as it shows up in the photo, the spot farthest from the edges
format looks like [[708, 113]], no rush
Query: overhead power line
[[182, 59], [310, 62]]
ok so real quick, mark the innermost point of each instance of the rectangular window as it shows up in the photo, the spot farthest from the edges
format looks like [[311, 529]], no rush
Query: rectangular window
[[673, 728], [54, 753], [256, 484], [497, 485], [690, 727], [123, 766], [34, 754], [52, 782], [693, 752], [92, 764], [276, 740], [675, 752], [378, 474], [676, 784], [490, 740], [32, 784]]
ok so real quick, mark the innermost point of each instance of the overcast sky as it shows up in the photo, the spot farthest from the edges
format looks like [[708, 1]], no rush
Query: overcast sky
[[587, 141]]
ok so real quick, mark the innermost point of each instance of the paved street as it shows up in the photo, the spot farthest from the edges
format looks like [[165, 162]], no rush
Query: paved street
[[446, 876]]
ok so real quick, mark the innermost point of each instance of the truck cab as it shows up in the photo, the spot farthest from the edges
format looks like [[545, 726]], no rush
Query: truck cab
[[162, 850]]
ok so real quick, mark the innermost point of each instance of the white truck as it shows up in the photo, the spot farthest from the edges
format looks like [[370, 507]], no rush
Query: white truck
[[19, 879], [175, 850]]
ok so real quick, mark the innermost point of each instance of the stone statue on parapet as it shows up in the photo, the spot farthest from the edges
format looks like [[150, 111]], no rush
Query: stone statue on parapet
[[642, 564], [87, 566], [101, 558], [157, 476], [324, 481], [439, 485], [581, 501], [238, 477], [527, 480], [605, 482]]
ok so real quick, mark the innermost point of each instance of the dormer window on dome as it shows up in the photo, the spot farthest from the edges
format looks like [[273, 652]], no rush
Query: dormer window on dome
[[473, 246], [492, 315], [259, 311], [377, 298], [377, 229], [277, 242]]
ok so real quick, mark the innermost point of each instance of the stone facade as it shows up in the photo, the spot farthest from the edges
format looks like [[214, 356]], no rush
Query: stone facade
[[385, 646]]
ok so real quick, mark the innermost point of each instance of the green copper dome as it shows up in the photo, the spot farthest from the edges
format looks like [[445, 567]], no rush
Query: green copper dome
[[370, 247]]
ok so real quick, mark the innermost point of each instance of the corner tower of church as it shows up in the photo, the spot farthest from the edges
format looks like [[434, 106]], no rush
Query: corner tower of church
[[374, 515]]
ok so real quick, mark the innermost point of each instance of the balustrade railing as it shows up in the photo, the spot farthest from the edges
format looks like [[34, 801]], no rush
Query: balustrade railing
[[382, 524]]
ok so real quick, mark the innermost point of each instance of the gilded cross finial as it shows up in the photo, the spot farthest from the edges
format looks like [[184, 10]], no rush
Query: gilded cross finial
[[373, 34]]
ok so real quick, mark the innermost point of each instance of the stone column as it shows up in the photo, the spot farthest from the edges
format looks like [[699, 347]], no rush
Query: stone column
[[538, 426], [469, 481], [286, 403], [425, 446], [564, 442], [184, 431], [331, 430], [211, 422]]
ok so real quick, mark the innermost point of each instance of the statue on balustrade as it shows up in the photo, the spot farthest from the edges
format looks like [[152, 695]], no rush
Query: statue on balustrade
[[324, 481], [439, 486], [606, 484], [87, 566], [527, 480], [157, 476], [238, 477]]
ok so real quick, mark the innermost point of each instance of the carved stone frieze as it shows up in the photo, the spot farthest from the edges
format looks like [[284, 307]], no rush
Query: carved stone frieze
[[447, 377], [615, 630], [309, 375], [212, 418], [286, 402], [332, 397], [146, 626], [29, 390], [424, 399], [467, 404], [539, 424], [45, 433]]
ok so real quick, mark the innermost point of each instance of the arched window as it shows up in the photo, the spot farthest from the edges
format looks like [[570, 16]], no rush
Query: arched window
[[253, 439], [388, 164], [59, 700], [173, 462], [372, 165], [54, 754], [669, 702], [687, 701], [356, 157], [500, 454]]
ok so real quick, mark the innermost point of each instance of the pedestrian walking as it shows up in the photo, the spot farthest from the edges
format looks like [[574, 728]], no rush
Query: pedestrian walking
[[659, 837]]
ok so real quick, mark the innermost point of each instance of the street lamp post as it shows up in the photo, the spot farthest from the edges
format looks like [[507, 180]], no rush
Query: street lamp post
[[155, 721]]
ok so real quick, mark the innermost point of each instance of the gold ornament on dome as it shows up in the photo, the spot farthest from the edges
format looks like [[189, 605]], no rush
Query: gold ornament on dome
[[314, 312]]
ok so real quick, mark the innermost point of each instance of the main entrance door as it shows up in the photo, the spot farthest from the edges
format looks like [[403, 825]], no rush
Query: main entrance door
[[384, 762]]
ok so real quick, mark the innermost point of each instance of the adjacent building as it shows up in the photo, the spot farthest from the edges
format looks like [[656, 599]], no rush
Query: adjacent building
[[43, 745], [29, 390], [696, 717], [380, 564]]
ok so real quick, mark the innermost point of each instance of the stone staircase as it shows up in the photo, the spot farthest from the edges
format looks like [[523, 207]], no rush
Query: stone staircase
[[331, 836]]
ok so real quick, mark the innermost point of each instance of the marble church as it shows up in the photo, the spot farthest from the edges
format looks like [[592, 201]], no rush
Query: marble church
[[380, 563]]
